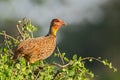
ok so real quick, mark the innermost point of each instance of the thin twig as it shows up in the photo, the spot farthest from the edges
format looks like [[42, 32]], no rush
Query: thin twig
[[62, 66], [61, 57], [99, 60], [37, 75], [87, 58], [7, 42], [5, 37], [58, 71], [20, 32], [8, 36], [30, 25], [32, 34]]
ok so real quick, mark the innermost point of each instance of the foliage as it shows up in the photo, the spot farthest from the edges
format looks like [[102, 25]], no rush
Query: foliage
[[70, 69]]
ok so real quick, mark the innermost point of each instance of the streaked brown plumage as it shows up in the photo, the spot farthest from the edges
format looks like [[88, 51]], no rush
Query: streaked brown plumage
[[40, 48]]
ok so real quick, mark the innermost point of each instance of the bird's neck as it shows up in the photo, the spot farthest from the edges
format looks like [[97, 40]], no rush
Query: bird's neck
[[53, 30]]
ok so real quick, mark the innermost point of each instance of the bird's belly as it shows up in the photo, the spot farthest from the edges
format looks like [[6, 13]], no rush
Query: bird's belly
[[46, 53]]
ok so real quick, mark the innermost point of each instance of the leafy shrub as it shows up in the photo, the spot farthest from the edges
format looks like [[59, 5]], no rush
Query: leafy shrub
[[70, 69]]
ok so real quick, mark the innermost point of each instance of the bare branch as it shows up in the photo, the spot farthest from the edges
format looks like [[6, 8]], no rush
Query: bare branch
[[20, 32], [62, 66], [8, 36], [5, 36], [60, 56]]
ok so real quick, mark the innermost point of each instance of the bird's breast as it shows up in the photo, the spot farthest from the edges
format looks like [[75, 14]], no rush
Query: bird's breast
[[49, 46]]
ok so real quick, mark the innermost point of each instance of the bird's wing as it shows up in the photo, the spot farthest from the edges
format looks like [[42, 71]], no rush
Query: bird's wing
[[25, 47], [30, 45]]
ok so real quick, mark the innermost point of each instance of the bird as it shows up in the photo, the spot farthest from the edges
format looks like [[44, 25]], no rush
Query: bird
[[40, 48]]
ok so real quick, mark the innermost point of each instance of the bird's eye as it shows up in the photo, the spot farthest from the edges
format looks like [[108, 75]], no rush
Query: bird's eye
[[57, 21]]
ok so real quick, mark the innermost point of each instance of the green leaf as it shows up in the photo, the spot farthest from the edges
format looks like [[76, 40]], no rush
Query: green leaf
[[74, 57], [90, 59], [63, 54], [66, 59], [114, 69], [104, 62], [18, 66]]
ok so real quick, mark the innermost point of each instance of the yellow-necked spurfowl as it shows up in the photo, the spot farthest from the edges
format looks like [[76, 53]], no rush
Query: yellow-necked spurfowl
[[40, 48]]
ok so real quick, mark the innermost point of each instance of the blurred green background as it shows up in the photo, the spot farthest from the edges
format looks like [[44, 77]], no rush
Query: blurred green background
[[93, 27]]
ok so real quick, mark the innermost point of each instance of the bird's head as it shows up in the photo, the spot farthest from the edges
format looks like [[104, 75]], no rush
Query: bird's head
[[56, 24]]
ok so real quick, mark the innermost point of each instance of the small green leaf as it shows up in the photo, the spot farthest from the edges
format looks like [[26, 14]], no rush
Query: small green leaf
[[19, 21], [18, 66], [115, 70], [66, 59], [104, 62], [56, 54], [90, 59], [63, 54], [74, 57], [110, 66]]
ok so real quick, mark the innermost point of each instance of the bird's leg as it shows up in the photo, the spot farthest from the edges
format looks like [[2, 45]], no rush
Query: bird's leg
[[40, 66], [27, 65]]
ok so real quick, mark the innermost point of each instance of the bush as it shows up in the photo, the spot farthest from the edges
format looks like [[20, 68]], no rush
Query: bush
[[70, 69]]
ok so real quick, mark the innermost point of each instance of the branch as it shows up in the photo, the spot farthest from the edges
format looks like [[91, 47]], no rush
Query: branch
[[62, 66], [20, 32], [97, 59], [8, 36], [5, 36], [60, 56]]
